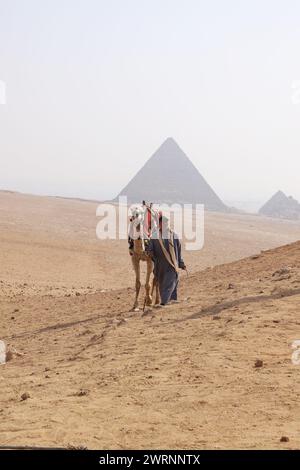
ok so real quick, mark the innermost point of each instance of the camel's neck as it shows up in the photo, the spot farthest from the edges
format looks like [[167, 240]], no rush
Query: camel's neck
[[138, 246]]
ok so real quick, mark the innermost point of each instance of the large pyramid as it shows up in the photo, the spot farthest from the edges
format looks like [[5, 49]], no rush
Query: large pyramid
[[170, 177], [281, 206]]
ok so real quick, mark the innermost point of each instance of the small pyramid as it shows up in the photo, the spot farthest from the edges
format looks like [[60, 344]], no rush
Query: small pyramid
[[170, 177], [281, 206]]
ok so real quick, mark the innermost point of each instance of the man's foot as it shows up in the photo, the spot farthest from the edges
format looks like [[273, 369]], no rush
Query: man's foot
[[174, 302]]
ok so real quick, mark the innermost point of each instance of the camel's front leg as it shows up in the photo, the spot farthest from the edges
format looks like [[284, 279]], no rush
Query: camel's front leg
[[148, 298], [136, 266]]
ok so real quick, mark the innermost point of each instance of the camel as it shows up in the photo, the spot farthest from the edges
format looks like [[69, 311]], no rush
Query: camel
[[138, 253]]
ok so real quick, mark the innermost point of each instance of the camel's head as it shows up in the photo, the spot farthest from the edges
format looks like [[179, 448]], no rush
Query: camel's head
[[136, 221], [137, 213], [137, 217]]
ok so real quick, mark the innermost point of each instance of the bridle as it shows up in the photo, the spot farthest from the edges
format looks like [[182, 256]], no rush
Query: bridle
[[143, 222]]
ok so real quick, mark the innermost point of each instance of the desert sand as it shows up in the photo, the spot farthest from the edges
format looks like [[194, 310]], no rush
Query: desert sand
[[86, 371]]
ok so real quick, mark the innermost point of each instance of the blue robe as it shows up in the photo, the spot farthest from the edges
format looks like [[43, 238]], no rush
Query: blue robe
[[165, 273]]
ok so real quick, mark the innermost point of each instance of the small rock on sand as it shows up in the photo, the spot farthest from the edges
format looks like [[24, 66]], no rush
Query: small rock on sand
[[258, 363], [25, 396], [82, 392]]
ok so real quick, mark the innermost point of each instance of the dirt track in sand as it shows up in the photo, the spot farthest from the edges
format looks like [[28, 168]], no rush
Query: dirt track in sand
[[101, 376]]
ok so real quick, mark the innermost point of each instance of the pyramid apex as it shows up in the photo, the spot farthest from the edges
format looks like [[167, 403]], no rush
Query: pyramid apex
[[170, 148], [170, 141], [280, 193]]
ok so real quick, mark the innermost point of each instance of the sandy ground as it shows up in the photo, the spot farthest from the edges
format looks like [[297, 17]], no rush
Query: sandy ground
[[100, 376]]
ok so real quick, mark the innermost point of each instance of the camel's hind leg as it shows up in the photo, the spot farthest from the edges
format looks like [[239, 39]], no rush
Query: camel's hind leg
[[137, 270], [156, 287], [148, 298]]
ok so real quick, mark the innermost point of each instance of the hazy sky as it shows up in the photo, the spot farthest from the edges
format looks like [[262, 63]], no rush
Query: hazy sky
[[93, 87]]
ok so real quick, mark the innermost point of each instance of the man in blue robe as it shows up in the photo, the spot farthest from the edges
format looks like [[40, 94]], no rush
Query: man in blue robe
[[165, 250]]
